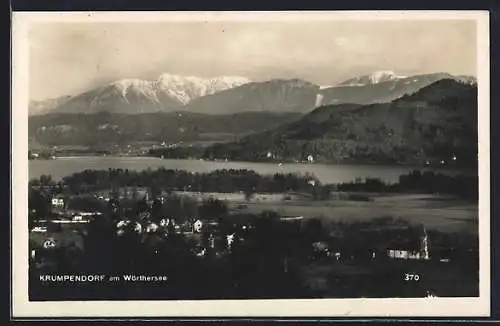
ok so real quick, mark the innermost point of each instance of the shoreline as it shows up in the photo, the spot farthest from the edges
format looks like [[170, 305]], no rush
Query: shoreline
[[284, 163]]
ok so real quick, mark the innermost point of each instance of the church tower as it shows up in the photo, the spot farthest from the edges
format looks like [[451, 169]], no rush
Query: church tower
[[424, 245]]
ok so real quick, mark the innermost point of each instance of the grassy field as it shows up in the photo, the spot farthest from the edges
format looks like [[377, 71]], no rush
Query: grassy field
[[435, 212], [387, 278]]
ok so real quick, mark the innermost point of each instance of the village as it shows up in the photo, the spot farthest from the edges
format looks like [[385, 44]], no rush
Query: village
[[212, 228], [407, 242]]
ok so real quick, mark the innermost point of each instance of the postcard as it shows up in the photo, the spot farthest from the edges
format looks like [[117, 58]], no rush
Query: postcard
[[250, 164]]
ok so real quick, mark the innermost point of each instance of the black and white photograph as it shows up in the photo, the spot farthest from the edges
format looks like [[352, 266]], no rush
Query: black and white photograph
[[251, 163]]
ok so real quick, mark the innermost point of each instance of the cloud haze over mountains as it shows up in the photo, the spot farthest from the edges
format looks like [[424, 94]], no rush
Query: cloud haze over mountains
[[80, 57], [380, 91], [230, 94]]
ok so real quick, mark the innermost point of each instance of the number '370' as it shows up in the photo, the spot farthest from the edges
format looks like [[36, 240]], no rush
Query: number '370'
[[411, 277]]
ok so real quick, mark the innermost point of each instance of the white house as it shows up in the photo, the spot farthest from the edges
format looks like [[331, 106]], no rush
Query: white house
[[420, 252], [211, 241], [152, 228], [58, 202], [78, 218], [201, 253], [398, 254], [123, 224], [230, 240], [39, 229], [197, 226], [49, 243]]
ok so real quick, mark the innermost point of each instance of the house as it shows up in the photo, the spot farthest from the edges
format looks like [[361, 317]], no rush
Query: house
[[320, 249], [131, 192], [230, 240], [39, 229], [197, 226], [411, 248], [199, 251], [58, 202], [398, 254], [210, 226], [78, 218], [211, 241], [152, 228], [144, 216], [124, 225], [49, 243], [291, 218], [41, 242], [166, 222]]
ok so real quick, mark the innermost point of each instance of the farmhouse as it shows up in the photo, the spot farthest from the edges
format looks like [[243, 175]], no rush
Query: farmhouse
[[58, 202], [415, 246]]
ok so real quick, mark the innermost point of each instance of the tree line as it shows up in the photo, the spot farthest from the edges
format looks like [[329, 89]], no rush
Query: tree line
[[464, 186], [225, 181], [250, 182]]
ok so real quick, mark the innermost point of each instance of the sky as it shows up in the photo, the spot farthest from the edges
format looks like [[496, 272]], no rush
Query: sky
[[70, 58]]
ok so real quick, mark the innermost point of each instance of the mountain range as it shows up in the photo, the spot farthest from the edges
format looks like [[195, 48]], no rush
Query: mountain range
[[435, 125], [46, 106], [382, 87], [378, 118], [230, 95], [103, 129], [134, 96]]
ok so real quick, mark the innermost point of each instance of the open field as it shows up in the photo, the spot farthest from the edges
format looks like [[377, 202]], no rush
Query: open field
[[377, 279], [440, 213]]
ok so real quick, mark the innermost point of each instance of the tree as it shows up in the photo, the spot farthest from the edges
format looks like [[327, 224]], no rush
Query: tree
[[154, 191], [46, 180], [213, 208], [38, 204], [142, 206], [34, 183], [313, 230], [135, 194], [174, 207], [249, 192], [266, 230], [157, 210]]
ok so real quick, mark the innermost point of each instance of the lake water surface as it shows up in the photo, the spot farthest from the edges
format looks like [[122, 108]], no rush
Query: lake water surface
[[327, 173]]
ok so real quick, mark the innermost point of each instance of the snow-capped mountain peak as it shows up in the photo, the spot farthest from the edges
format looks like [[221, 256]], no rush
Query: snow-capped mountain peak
[[471, 80], [382, 76], [187, 88], [129, 82], [133, 95], [376, 77], [136, 86], [180, 88]]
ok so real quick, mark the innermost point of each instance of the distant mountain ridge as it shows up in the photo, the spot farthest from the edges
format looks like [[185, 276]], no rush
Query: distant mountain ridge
[[382, 87], [131, 96], [230, 94], [376, 77], [277, 95], [104, 128], [186, 89], [46, 106], [436, 125]]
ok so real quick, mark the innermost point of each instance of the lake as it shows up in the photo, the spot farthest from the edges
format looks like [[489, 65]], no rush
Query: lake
[[327, 173]]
